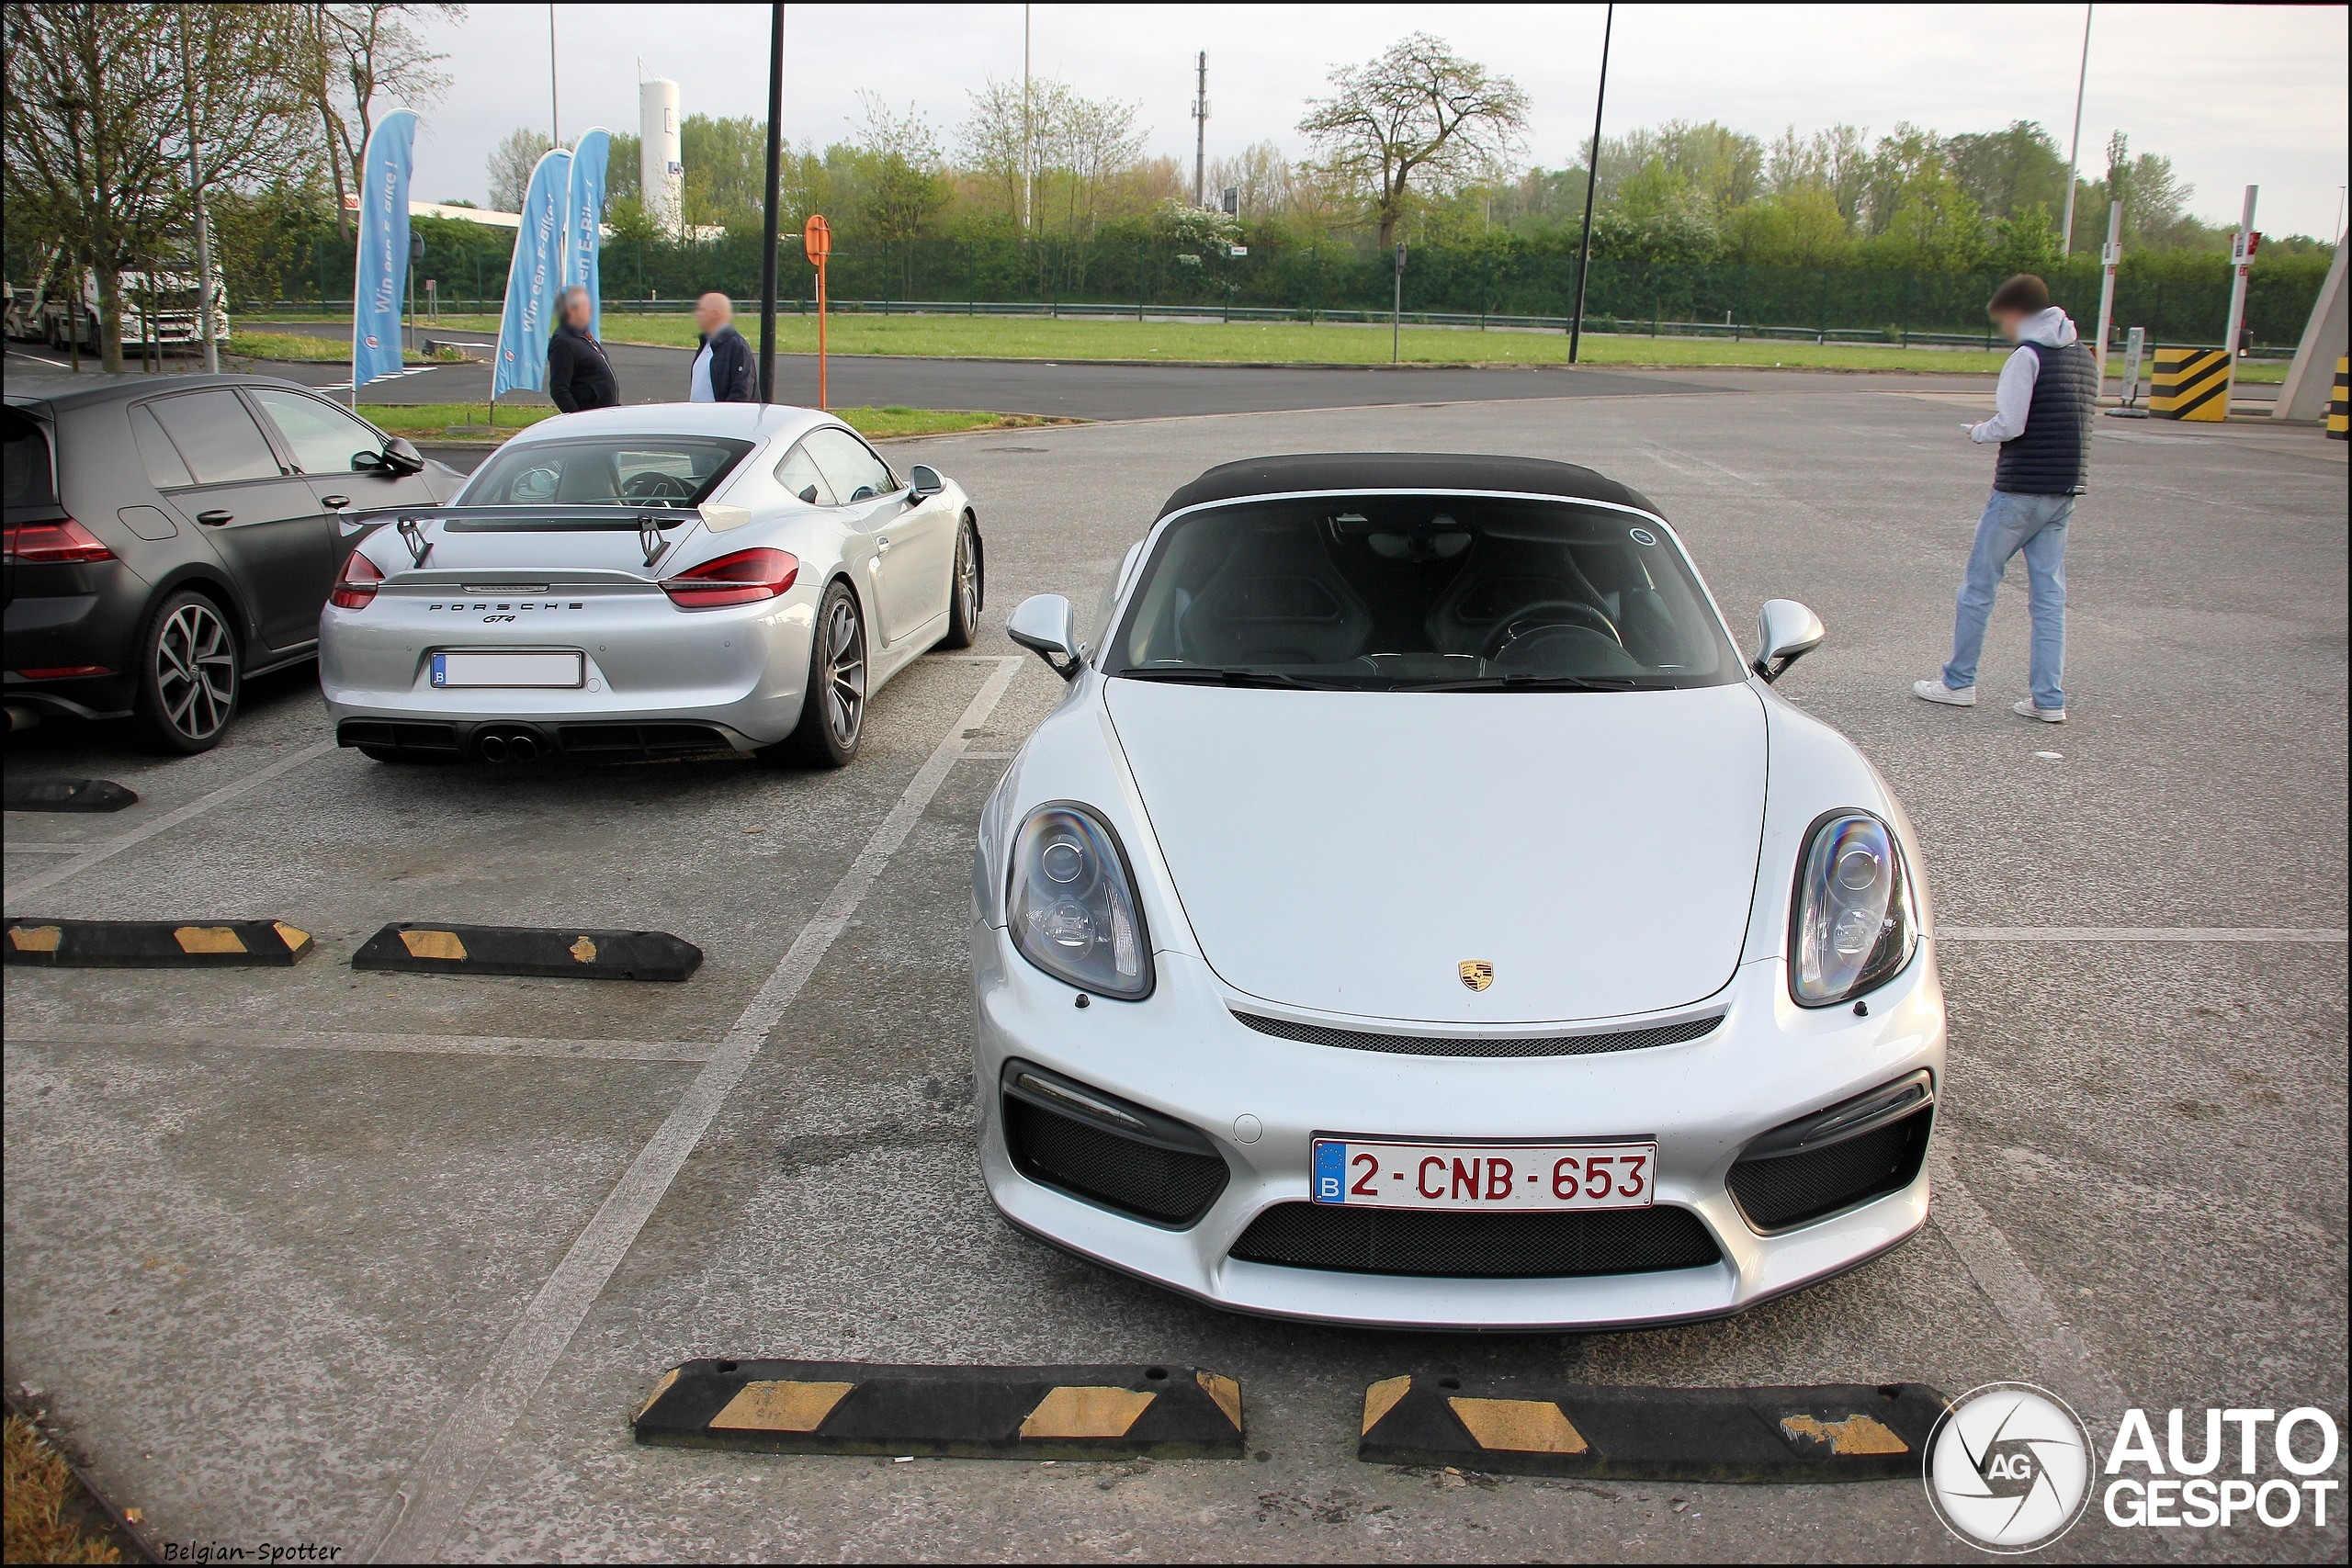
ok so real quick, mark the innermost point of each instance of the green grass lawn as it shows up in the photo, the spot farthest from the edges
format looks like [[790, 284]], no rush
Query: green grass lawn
[[1292, 342], [307, 349], [470, 421]]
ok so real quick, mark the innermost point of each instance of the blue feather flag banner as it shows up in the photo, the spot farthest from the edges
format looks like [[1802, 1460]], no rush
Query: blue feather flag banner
[[532, 280], [381, 272], [584, 219]]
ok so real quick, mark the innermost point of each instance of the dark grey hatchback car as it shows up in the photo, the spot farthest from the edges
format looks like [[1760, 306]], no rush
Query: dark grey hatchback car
[[166, 539]]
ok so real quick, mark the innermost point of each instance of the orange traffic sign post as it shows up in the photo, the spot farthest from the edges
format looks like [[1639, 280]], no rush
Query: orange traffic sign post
[[817, 239]]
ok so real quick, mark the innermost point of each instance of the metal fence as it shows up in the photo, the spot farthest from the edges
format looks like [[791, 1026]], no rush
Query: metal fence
[[1502, 285]]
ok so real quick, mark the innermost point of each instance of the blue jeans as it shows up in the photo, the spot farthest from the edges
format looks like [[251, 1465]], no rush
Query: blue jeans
[[2036, 525]]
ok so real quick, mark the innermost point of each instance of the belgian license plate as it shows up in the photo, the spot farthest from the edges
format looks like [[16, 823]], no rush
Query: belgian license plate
[[559, 670], [1483, 1176]]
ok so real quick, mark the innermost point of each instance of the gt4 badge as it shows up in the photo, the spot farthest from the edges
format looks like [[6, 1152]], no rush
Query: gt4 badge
[[1477, 974]]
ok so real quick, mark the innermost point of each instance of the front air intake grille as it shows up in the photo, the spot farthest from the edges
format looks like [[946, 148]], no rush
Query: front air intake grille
[[1834, 1160], [1437, 1045], [1063, 1134], [1452, 1245], [413, 739], [618, 742]]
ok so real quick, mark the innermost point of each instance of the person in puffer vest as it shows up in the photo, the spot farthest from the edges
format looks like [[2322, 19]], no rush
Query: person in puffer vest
[[2042, 418]]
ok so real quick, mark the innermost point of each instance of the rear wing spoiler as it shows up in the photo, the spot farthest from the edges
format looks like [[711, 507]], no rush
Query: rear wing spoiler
[[418, 525]]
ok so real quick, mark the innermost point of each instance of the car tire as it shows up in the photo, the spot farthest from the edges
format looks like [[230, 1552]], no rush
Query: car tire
[[833, 708], [190, 676], [965, 588]]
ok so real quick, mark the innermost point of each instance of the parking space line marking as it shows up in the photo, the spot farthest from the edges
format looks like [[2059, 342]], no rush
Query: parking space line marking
[[2071, 1368], [433, 1496], [401, 1044], [170, 820], [17, 849], [2316, 934]]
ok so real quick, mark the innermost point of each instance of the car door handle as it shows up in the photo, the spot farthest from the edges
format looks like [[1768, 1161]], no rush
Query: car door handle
[[882, 546], [214, 519], [336, 503]]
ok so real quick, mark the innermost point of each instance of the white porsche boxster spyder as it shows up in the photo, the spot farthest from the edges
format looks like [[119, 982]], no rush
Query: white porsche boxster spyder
[[650, 581], [1419, 913]]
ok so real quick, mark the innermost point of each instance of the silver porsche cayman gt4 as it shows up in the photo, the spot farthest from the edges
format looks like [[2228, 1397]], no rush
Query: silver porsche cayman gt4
[[650, 581], [1420, 913]]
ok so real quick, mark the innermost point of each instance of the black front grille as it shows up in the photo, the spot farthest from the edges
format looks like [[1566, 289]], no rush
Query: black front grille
[[615, 742], [1149, 1181], [389, 735], [1437, 1045], [1453, 1245], [1790, 1189]]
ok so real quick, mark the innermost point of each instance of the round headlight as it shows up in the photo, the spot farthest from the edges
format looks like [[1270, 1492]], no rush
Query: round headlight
[[1850, 928], [1071, 905]]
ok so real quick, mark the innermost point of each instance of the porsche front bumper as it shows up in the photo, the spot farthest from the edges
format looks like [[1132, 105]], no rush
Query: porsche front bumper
[[1182, 1053]]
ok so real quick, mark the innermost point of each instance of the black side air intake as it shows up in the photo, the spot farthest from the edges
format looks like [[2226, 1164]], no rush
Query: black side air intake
[[1063, 1134]]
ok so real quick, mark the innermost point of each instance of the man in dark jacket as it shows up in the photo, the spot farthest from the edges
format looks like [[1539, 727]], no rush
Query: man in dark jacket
[[2041, 418], [722, 372], [579, 375]]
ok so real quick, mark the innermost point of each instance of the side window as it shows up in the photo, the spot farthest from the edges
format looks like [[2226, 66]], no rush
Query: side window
[[166, 469], [855, 472], [323, 438], [797, 473], [217, 437]]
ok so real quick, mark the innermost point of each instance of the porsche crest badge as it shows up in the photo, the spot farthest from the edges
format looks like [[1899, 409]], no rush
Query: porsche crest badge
[[1477, 974]]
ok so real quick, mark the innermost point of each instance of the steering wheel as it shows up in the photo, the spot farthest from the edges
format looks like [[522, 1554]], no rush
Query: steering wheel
[[651, 486], [1551, 612]]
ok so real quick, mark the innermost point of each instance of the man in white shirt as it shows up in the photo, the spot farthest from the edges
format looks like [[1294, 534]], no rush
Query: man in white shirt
[[2041, 416], [722, 372]]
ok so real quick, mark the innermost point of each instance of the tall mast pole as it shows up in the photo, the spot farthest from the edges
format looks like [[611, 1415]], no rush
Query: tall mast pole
[[2074, 150], [1591, 184], [1200, 134], [768, 239]]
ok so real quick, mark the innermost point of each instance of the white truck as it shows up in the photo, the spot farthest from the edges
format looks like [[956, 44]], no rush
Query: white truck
[[158, 308]]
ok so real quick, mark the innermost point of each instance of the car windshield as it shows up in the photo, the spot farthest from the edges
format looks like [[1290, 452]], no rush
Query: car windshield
[[1421, 592], [605, 470]]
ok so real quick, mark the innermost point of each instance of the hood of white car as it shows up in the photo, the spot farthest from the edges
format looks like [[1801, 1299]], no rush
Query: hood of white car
[[1351, 851]]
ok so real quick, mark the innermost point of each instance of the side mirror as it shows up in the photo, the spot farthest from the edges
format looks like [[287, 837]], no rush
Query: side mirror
[[400, 457], [1785, 632], [1045, 625], [925, 481]]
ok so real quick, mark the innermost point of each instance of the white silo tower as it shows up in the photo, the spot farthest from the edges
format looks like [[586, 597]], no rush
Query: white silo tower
[[660, 155]]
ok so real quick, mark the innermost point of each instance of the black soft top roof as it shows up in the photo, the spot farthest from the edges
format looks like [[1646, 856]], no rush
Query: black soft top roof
[[1401, 471]]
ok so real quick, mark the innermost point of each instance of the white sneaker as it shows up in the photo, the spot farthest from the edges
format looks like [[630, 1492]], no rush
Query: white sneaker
[[2047, 715], [1936, 692]]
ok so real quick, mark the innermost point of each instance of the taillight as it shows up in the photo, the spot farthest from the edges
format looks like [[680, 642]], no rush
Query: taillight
[[62, 541], [738, 579], [355, 589]]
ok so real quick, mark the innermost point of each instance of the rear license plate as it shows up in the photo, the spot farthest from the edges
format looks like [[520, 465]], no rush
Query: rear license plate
[[508, 669], [1489, 1176]]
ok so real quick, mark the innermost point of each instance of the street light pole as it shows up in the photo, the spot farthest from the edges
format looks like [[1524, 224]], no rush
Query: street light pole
[[767, 245], [2074, 148], [555, 104], [204, 316], [1591, 184]]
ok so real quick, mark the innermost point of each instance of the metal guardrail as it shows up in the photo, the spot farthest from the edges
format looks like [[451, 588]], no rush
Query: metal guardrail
[[1595, 325]]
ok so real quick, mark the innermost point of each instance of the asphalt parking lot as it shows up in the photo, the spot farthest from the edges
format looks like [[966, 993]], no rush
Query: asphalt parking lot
[[386, 1261]]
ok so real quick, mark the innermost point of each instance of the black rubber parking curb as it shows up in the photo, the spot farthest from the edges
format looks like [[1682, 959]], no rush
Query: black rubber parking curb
[[67, 795], [563, 951], [155, 944], [945, 1412], [1828, 1432]]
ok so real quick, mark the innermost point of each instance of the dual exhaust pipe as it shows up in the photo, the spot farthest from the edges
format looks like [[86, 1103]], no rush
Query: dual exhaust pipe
[[511, 745]]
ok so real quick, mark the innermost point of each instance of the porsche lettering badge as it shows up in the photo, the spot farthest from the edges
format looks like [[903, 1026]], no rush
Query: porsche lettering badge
[[1477, 974]]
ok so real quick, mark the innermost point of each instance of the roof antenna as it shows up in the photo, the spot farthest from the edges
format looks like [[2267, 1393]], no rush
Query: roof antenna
[[413, 534]]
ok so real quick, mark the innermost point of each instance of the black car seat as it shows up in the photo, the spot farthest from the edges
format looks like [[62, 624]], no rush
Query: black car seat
[[1276, 599]]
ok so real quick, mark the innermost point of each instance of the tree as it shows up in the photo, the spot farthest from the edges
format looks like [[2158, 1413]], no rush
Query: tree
[[343, 56], [727, 170], [1801, 226], [96, 128], [511, 163], [901, 173], [1420, 111], [1260, 174], [2009, 171]]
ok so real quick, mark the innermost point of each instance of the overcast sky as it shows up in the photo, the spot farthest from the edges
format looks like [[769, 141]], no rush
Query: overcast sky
[[2233, 95]]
